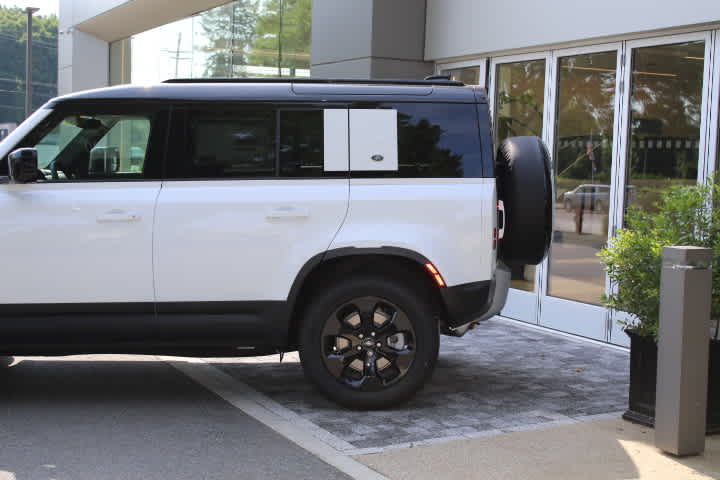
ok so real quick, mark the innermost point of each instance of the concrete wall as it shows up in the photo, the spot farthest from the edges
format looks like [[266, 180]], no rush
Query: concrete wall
[[82, 58], [470, 27], [369, 39]]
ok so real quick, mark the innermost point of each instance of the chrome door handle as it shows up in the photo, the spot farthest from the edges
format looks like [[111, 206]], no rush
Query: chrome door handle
[[287, 212], [114, 216]]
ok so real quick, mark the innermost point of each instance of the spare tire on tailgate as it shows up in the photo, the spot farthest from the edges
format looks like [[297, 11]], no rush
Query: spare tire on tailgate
[[525, 187]]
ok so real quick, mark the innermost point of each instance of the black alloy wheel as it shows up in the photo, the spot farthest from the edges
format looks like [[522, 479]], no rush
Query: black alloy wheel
[[368, 343]]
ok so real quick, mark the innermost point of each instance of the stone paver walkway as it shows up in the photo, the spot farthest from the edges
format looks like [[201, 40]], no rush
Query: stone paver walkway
[[500, 376]]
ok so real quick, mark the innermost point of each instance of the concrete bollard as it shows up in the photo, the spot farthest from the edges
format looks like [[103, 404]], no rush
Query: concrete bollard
[[682, 374]]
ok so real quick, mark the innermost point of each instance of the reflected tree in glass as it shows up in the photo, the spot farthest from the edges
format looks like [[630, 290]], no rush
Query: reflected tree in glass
[[419, 146], [282, 36], [666, 101], [583, 159], [520, 98], [229, 31]]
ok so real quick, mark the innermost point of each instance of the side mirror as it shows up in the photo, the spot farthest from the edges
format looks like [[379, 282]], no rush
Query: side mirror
[[23, 165]]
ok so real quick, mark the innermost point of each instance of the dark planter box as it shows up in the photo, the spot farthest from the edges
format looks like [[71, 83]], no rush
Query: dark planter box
[[643, 375]]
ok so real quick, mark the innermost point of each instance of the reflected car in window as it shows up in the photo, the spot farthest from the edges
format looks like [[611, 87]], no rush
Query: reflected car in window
[[594, 197]]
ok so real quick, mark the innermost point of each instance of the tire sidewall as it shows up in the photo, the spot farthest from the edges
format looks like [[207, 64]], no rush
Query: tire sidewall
[[418, 311]]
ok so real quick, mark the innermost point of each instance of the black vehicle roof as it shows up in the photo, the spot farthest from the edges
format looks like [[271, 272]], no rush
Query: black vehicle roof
[[287, 90]]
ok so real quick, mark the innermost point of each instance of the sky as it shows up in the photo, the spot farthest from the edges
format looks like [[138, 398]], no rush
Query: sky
[[47, 7]]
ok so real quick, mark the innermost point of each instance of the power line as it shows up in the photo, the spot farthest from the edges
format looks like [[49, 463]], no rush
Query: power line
[[35, 42], [20, 81]]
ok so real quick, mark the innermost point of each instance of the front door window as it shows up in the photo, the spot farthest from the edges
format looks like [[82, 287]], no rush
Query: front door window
[[93, 147]]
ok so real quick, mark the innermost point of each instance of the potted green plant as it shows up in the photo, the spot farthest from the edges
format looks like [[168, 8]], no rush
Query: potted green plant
[[684, 215]]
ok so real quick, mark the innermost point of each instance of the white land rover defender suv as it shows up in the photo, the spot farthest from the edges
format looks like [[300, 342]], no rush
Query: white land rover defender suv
[[353, 221]]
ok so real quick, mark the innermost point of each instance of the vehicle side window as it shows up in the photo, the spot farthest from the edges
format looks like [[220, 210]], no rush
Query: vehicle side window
[[87, 147], [222, 143], [301, 143], [437, 140]]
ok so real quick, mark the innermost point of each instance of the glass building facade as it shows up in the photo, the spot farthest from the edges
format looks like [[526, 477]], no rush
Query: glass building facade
[[244, 38], [623, 122]]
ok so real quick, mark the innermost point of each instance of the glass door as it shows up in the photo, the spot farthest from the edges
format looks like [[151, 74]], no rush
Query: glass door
[[666, 121], [518, 93], [583, 142]]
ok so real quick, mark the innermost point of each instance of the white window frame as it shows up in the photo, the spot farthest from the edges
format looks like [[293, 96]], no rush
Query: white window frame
[[556, 309], [713, 130]]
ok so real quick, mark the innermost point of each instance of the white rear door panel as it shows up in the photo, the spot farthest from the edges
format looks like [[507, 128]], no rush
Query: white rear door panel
[[242, 240]]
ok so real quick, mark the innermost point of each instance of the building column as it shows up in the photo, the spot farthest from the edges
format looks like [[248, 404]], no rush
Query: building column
[[83, 61], [369, 39], [82, 58]]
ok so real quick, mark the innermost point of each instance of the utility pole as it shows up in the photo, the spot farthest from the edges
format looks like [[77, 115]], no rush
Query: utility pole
[[280, 35], [177, 54], [28, 62]]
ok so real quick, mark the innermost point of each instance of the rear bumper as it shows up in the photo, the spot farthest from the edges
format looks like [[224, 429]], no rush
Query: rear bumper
[[474, 302]]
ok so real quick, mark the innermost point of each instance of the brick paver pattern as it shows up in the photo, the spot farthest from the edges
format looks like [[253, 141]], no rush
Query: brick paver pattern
[[499, 376]]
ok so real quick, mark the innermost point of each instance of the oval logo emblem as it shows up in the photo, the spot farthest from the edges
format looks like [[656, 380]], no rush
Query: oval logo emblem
[[377, 158]]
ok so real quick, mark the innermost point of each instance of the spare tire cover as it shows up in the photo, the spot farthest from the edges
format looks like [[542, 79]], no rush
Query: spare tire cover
[[525, 187]]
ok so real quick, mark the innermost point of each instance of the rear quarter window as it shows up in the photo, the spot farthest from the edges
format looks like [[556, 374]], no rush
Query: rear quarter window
[[437, 140]]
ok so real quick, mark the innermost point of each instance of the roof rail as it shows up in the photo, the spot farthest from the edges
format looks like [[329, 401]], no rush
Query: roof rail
[[370, 81]]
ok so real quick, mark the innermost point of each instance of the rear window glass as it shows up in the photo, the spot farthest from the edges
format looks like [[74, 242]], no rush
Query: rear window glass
[[230, 144], [301, 143], [438, 140]]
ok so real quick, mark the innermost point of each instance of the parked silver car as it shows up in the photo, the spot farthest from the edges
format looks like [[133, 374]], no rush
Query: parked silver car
[[591, 196]]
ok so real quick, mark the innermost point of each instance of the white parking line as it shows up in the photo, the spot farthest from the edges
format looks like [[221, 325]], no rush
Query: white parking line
[[319, 442]]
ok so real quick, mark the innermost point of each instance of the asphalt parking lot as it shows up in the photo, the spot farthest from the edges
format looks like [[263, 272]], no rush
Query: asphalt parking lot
[[145, 417]]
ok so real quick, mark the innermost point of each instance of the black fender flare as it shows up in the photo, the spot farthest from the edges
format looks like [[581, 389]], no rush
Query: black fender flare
[[318, 259]]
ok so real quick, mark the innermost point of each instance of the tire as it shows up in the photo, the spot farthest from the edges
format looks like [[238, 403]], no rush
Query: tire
[[525, 186], [406, 322]]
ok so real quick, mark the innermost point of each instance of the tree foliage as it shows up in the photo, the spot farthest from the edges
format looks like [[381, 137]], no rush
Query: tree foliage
[[12, 61], [282, 35], [229, 30], [268, 33]]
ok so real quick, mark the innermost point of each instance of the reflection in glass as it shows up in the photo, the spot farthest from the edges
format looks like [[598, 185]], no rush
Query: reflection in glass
[[437, 141], [94, 147], [468, 75], [666, 97], [583, 158], [301, 143], [245, 38], [519, 111]]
